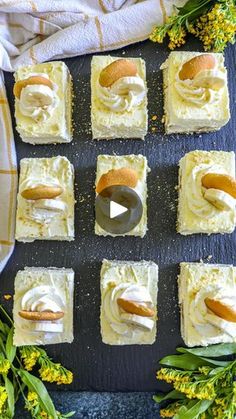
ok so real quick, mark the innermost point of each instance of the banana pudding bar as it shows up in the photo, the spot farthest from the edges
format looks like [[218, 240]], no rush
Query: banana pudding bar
[[122, 179], [118, 98], [196, 97], [45, 201], [43, 103], [128, 302], [207, 192], [207, 298], [43, 306]]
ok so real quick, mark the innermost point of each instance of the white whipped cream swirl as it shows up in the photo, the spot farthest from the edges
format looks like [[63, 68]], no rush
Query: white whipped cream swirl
[[204, 89], [37, 100], [42, 298], [123, 95], [206, 322], [195, 191], [113, 312]]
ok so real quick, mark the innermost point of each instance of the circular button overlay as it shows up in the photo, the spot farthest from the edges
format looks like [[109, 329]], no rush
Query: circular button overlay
[[118, 209]]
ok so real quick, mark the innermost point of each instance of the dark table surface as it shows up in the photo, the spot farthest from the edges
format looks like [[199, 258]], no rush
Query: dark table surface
[[99, 367]]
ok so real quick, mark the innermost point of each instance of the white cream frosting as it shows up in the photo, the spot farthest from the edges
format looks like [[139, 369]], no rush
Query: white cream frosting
[[114, 313], [38, 101], [208, 324], [123, 95], [204, 89], [195, 191], [43, 298]]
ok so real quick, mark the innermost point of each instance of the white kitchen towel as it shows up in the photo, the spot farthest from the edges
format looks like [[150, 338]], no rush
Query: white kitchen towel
[[42, 30], [8, 179]]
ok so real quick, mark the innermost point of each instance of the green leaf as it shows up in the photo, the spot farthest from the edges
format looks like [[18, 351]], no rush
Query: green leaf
[[11, 396], [36, 385], [10, 348], [186, 361], [214, 351], [172, 395], [215, 362], [68, 415], [194, 410]]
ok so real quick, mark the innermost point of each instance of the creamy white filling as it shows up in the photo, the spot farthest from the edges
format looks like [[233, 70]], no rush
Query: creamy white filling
[[125, 94], [114, 313], [195, 191], [208, 324], [38, 101], [204, 89], [43, 210], [43, 298]]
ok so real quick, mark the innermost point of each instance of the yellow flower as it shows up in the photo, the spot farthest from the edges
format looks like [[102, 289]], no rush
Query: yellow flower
[[177, 36], [204, 370], [165, 413], [199, 390], [170, 410], [217, 27], [3, 398], [4, 366], [32, 398], [30, 356], [43, 415], [55, 373], [170, 375]]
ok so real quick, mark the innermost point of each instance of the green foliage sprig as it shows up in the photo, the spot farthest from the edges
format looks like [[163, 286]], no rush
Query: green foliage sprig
[[204, 386], [16, 380], [212, 21]]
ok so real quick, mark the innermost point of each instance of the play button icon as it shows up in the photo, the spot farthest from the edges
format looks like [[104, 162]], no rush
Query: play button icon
[[118, 209]]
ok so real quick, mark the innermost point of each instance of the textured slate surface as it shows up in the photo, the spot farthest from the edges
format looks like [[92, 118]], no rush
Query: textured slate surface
[[98, 367], [88, 405]]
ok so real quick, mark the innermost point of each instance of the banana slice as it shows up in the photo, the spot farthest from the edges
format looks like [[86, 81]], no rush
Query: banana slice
[[50, 205], [36, 96], [221, 200], [48, 327], [211, 79], [139, 321]]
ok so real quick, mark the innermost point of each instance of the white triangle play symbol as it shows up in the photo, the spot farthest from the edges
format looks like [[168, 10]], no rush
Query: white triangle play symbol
[[116, 209]]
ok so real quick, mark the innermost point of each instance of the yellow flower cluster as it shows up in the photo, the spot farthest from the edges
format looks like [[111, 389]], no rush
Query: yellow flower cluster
[[217, 27], [32, 398], [177, 35], [204, 370], [202, 391], [170, 410], [55, 373], [167, 413], [30, 356], [33, 405], [3, 398], [170, 375], [4, 366]]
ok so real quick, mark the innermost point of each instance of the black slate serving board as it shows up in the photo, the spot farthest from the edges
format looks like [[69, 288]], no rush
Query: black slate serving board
[[96, 366]]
